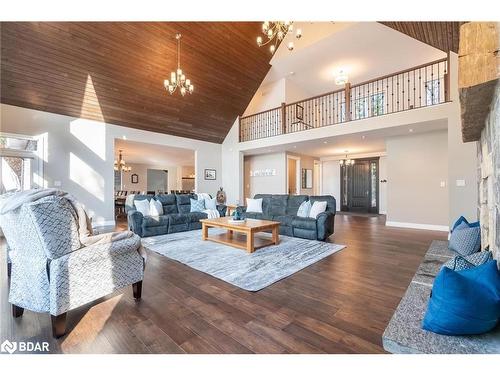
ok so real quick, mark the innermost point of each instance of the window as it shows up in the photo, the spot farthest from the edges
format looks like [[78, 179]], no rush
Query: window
[[432, 92], [369, 106], [17, 162]]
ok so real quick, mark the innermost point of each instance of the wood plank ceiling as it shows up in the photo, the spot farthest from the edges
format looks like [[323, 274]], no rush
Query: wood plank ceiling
[[441, 35], [114, 72]]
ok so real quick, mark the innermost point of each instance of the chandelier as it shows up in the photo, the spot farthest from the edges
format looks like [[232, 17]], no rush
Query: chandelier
[[276, 31], [120, 164], [178, 78], [346, 162]]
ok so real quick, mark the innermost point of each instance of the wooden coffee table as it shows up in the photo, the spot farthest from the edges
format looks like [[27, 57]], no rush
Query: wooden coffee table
[[242, 235]]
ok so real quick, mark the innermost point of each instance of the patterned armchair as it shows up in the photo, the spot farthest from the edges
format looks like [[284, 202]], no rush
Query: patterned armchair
[[53, 272]]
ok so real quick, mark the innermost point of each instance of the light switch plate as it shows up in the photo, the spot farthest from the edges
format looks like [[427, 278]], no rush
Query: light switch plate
[[442, 184], [460, 182]]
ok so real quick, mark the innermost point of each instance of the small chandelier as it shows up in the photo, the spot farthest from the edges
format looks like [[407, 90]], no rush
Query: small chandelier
[[346, 162], [276, 31], [120, 164], [177, 78]]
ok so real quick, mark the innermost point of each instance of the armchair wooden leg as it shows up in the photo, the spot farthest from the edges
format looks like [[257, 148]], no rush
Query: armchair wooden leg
[[17, 311], [137, 289], [9, 269], [58, 325]]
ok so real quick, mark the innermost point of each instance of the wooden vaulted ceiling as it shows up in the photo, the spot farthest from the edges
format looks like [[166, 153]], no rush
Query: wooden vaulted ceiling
[[441, 35], [114, 72]]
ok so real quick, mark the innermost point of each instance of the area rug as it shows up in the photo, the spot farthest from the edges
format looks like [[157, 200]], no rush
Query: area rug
[[251, 272]]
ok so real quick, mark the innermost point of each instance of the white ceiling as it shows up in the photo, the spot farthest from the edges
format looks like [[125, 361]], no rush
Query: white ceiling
[[364, 50], [150, 154], [358, 143]]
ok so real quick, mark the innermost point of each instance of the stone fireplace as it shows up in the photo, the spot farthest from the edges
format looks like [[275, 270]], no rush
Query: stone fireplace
[[489, 178]]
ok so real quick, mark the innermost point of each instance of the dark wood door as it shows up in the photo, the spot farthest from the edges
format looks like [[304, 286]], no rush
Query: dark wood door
[[359, 187]]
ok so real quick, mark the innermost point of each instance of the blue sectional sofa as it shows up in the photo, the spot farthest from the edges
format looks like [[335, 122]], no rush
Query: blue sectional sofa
[[283, 208], [176, 215]]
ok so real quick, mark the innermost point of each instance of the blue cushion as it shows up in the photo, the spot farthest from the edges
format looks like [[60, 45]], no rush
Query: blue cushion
[[197, 205], [461, 220], [465, 240], [464, 302]]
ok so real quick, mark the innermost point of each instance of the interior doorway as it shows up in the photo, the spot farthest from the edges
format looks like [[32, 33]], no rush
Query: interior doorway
[[293, 175], [360, 186]]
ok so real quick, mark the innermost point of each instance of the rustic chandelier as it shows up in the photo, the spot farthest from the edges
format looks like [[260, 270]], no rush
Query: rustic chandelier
[[275, 32], [178, 78], [120, 164]]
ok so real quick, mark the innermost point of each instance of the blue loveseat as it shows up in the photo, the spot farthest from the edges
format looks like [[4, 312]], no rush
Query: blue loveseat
[[176, 215], [283, 208]]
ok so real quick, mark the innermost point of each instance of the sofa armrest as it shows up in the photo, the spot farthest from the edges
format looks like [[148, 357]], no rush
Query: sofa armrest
[[134, 219], [325, 224]]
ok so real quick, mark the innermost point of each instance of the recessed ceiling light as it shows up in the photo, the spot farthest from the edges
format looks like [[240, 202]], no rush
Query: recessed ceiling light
[[294, 146], [291, 73], [325, 142], [363, 137], [410, 130]]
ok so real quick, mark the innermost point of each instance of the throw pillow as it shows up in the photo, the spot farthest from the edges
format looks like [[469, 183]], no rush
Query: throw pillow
[[211, 204], [460, 263], [317, 208], [142, 206], [461, 220], [464, 302], [155, 208], [465, 240], [304, 209], [254, 205], [197, 205]]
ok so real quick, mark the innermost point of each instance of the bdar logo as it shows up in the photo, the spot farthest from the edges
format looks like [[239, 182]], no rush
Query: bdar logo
[[8, 347]]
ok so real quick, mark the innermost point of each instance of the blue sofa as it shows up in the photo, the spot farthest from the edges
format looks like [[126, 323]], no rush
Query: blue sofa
[[283, 208], [176, 215]]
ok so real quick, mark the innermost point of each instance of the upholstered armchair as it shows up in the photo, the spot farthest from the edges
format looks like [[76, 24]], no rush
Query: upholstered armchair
[[53, 271]]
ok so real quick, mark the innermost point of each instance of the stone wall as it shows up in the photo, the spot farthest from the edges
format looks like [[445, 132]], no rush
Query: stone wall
[[489, 181]]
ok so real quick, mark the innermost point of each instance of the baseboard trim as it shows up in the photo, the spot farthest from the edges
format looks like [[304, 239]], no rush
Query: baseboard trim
[[398, 224], [103, 223]]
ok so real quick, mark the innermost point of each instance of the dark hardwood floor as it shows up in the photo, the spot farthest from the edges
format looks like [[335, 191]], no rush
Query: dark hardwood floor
[[341, 304]]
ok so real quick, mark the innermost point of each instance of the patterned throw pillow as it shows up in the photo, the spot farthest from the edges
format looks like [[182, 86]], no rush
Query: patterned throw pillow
[[304, 209], [197, 205], [465, 240], [460, 263]]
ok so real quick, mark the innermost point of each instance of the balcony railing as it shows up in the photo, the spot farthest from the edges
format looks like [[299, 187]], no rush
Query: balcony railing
[[421, 86]]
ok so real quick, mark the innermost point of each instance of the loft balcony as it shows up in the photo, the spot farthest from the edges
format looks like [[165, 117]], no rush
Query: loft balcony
[[421, 86]]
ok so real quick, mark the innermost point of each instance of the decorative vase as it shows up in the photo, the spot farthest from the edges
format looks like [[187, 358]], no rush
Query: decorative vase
[[221, 196]]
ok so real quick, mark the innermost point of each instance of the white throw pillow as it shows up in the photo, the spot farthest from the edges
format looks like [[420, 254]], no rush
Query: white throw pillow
[[254, 205], [155, 208], [142, 206], [304, 209], [211, 204], [317, 208]]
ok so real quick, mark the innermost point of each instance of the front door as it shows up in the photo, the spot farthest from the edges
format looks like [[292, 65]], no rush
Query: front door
[[359, 189]]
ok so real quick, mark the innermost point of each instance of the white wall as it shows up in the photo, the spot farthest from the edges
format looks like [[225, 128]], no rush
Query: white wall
[[417, 173], [267, 97], [265, 184], [80, 154]]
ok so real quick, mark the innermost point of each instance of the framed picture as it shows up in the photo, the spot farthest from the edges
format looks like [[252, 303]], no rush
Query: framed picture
[[307, 178], [210, 174], [134, 178]]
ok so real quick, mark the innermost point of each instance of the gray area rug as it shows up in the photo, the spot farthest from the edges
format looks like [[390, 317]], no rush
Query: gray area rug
[[251, 272]]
